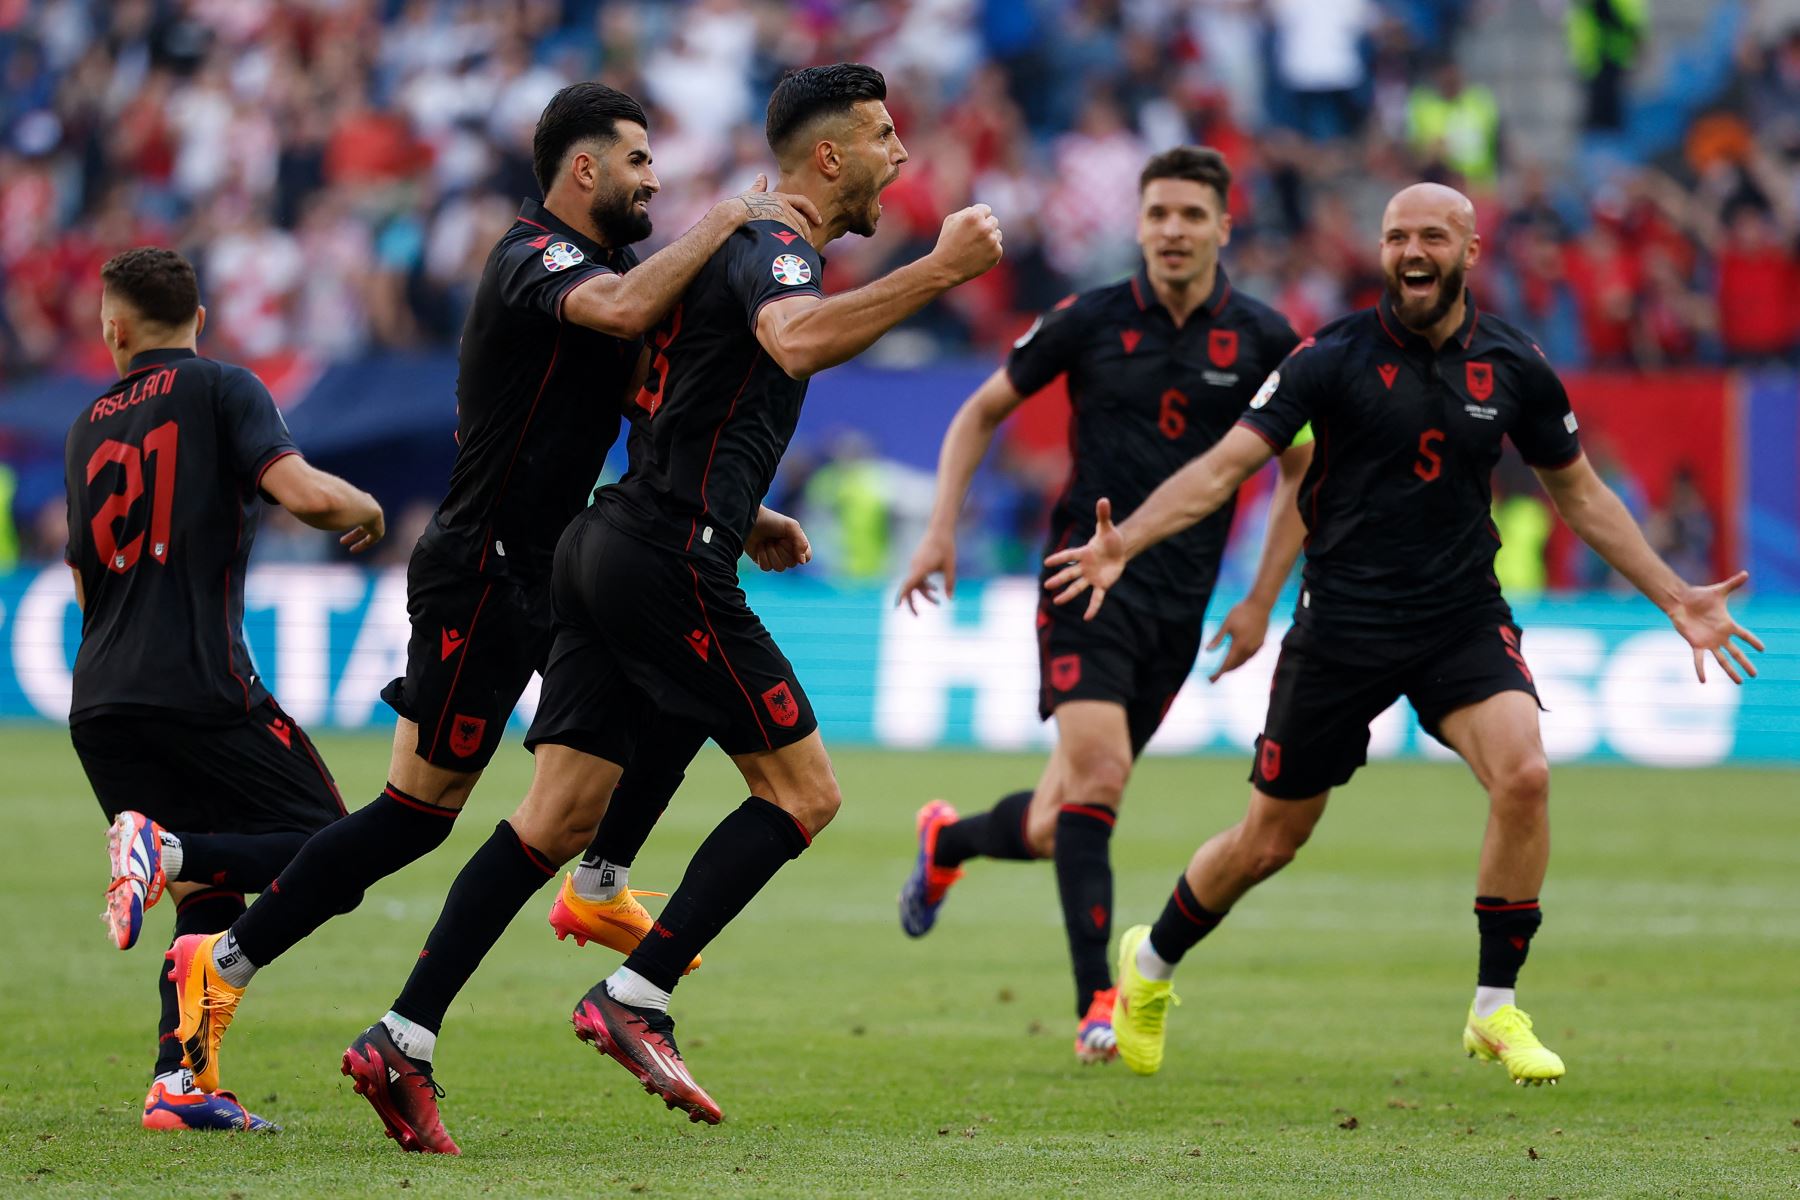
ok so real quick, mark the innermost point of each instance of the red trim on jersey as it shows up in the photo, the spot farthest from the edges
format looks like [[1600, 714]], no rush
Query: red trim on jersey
[[1223, 297], [272, 462], [1382, 317], [720, 646], [1259, 433], [1092, 810], [533, 224], [1138, 295], [1473, 322], [706, 473], [1521, 906], [487, 535], [399, 797], [1567, 462], [437, 732]]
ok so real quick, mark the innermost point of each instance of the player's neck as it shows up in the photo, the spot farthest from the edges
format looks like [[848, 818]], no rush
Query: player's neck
[[837, 223], [575, 216], [1182, 299], [187, 340]]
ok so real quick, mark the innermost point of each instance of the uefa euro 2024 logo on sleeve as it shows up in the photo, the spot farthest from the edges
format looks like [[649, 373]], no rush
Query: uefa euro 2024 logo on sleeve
[[791, 270], [560, 256]]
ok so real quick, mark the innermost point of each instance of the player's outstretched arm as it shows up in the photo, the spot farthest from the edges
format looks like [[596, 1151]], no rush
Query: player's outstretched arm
[[1247, 624], [805, 335], [966, 443], [324, 501], [1185, 498], [776, 541], [631, 304], [1700, 615]]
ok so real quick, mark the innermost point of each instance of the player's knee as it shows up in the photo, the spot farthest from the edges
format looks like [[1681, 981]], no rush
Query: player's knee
[[1040, 835], [1524, 785], [1267, 850], [1099, 777], [819, 804]]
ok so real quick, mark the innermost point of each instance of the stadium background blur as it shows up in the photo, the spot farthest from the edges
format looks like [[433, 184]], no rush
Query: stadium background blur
[[337, 169]]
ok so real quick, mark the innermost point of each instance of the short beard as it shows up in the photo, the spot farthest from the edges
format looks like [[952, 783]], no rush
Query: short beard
[[1450, 289], [618, 220], [863, 210]]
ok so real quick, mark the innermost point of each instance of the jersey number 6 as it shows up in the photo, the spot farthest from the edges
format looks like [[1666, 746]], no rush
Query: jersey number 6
[[160, 443], [1170, 418]]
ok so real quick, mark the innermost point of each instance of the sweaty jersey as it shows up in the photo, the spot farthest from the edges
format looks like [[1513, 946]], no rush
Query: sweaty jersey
[[162, 474], [715, 412], [1146, 397], [537, 401], [1396, 501]]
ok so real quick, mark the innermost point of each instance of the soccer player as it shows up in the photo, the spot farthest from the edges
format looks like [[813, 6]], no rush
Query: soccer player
[[654, 637], [1159, 366], [1409, 401], [547, 359], [174, 727]]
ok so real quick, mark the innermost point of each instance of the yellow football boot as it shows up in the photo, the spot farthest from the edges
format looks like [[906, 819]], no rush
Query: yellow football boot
[[1141, 1009], [207, 1005], [1506, 1037], [620, 923]]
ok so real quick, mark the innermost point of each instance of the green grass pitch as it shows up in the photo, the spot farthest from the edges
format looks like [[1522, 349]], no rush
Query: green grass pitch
[[1316, 1054]]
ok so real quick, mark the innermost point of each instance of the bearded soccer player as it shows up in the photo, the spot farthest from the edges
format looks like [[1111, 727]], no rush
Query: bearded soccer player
[[1409, 400], [548, 357], [653, 632], [166, 472], [1159, 367]]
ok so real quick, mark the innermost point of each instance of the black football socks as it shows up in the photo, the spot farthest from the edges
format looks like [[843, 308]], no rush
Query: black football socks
[[206, 911], [498, 880], [1084, 880], [1184, 921], [237, 862], [1506, 928], [736, 860], [336, 866], [996, 833]]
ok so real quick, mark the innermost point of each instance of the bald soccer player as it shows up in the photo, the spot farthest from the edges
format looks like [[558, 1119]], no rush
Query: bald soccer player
[[1408, 401]]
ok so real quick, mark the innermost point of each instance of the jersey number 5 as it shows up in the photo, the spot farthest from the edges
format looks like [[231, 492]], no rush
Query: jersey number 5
[[160, 443], [1171, 418], [1430, 462]]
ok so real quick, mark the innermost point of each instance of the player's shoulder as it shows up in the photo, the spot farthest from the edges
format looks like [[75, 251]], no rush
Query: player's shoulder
[[1495, 335], [528, 243], [1348, 336], [1243, 308]]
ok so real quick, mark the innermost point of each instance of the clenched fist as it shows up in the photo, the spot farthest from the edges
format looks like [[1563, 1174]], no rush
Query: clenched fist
[[969, 242]]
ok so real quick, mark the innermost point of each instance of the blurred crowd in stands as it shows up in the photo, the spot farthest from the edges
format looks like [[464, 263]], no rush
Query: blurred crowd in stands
[[338, 168]]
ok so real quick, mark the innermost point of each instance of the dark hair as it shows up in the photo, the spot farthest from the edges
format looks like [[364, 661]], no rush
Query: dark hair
[[1200, 164], [578, 112], [811, 92], [158, 283]]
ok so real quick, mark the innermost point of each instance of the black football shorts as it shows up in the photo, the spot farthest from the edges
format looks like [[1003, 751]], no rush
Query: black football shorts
[[1121, 656], [475, 641], [1328, 689], [258, 773], [645, 634]]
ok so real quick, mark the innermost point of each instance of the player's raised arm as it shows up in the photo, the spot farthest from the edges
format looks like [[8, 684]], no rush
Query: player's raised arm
[[324, 501], [629, 305], [1700, 614], [966, 443], [1247, 624], [805, 335], [1185, 498]]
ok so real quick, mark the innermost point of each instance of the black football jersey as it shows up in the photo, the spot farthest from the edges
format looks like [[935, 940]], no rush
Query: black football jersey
[[1145, 398], [1397, 500], [538, 401], [715, 413], [162, 474]]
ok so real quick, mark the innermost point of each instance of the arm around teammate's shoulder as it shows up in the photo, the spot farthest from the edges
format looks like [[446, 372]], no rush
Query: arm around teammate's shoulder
[[324, 501], [631, 304], [805, 334]]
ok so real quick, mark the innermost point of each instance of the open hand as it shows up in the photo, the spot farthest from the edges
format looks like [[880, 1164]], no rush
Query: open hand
[[1096, 565], [935, 556], [1247, 624], [791, 209], [1704, 619]]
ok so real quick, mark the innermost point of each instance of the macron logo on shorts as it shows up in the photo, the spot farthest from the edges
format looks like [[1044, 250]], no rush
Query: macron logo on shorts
[[451, 641]]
